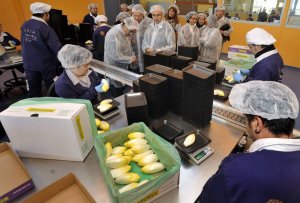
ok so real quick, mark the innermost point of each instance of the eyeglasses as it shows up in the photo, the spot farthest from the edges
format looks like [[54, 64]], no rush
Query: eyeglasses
[[194, 18], [156, 15]]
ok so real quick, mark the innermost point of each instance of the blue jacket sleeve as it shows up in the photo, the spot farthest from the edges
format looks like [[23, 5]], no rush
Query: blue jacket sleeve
[[51, 39]]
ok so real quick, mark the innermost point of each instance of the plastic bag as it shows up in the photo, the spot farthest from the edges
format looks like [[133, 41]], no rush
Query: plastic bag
[[166, 153]]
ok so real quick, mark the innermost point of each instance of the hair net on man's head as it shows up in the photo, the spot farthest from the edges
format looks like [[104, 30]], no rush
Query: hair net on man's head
[[100, 18], [92, 5], [268, 99], [259, 36], [158, 8], [221, 8], [131, 24], [212, 21], [176, 8], [202, 15], [139, 9], [73, 56], [122, 15], [190, 14], [39, 8], [130, 6]]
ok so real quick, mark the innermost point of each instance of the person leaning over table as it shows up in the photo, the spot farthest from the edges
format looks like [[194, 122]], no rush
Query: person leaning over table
[[77, 81], [99, 37], [189, 33], [40, 45], [118, 49], [269, 171], [90, 18], [160, 35], [269, 64], [211, 39], [7, 39]]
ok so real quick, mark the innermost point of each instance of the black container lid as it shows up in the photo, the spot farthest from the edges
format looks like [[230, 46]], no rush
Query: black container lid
[[166, 53], [150, 54], [188, 46], [200, 142], [220, 69], [167, 130], [158, 68], [152, 78], [199, 63], [175, 74], [198, 71], [135, 99], [207, 60], [182, 58]]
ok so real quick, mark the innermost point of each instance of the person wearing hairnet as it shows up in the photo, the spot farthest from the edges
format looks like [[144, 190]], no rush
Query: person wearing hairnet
[[269, 171], [99, 37], [78, 81], [129, 8], [211, 39], [269, 64], [160, 35], [224, 23], [118, 50], [189, 33], [90, 18], [140, 15], [40, 45], [121, 16], [202, 21], [6, 39], [172, 17], [124, 7]]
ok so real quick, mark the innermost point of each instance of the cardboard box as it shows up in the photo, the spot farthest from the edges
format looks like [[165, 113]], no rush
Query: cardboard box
[[237, 51], [67, 190], [52, 131], [168, 186], [14, 178]]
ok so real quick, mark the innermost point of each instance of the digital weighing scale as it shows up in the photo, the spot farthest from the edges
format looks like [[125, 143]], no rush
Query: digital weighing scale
[[199, 150]]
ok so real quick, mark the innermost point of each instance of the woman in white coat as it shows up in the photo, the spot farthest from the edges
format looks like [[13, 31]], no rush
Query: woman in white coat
[[189, 33]]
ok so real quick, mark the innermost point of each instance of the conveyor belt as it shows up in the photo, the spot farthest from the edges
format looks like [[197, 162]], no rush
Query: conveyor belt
[[230, 115], [115, 73]]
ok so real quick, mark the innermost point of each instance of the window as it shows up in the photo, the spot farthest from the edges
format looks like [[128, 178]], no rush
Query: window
[[294, 13]]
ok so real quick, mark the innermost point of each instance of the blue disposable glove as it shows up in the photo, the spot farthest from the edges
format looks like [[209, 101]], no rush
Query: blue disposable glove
[[99, 87], [12, 43], [245, 71], [237, 77]]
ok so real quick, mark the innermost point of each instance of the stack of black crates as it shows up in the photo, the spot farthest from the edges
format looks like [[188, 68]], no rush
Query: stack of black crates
[[155, 88], [157, 69], [136, 108], [175, 91], [189, 51], [198, 92], [164, 57]]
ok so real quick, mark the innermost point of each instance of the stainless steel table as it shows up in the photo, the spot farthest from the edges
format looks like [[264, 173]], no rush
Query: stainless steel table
[[192, 177]]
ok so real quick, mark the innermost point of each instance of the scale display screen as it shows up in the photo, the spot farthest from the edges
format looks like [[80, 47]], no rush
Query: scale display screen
[[200, 155]]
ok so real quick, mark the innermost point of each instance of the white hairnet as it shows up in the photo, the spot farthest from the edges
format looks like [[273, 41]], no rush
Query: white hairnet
[[268, 99], [190, 14], [122, 15], [202, 15], [131, 24], [221, 8], [92, 5], [258, 36], [176, 7], [39, 8], [212, 21], [73, 56], [130, 6], [100, 18], [139, 9], [158, 8]]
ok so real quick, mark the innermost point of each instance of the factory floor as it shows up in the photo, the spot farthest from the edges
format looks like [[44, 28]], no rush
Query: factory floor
[[291, 77]]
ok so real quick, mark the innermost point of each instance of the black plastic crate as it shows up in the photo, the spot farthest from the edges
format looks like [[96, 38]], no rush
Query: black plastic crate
[[167, 130], [189, 51], [164, 57], [158, 69], [136, 108], [136, 86], [220, 73], [149, 59], [180, 62], [212, 62], [202, 64]]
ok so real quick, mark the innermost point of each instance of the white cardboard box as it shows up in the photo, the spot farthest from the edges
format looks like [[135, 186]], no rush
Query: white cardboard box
[[52, 131], [237, 51]]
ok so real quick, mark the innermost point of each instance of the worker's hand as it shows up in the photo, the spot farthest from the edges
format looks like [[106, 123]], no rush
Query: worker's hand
[[244, 71], [103, 87], [149, 50], [133, 60], [238, 77]]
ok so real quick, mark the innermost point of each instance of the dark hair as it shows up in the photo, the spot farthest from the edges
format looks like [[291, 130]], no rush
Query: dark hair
[[39, 15], [276, 126], [175, 17]]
